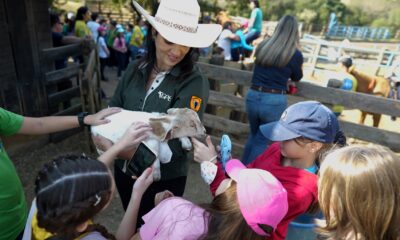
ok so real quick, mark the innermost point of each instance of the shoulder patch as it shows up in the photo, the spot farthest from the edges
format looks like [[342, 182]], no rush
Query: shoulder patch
[[195, 103]]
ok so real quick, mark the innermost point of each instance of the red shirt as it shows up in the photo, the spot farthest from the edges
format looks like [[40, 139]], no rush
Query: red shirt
[[300, 185]]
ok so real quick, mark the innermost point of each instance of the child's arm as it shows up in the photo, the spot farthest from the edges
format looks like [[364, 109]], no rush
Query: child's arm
[[44, 125], [126, 229], [127, 145]]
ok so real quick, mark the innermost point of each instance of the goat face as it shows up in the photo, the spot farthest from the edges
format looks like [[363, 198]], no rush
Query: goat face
[[179, 122]]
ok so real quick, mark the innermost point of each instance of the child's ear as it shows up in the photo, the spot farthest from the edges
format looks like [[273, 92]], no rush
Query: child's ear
[[315, 146], [82, 227]]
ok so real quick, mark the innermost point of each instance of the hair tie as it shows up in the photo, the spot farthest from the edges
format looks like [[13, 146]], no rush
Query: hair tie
[[98, 199], [340, 139]]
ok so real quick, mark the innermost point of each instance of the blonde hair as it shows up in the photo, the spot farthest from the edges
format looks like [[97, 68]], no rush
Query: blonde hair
[[279, 49], [359, 193]]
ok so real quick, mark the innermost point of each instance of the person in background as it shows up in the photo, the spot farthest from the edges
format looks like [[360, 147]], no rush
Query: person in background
[[104, 53], [239, 47], [82, 16], [120, 50], [110, 37], [93, 25], [205, 52], [136, 41], [346, 82], [277, 60], [224, 40], [13, 208], [69, 24], [255, 22], [359, 194]]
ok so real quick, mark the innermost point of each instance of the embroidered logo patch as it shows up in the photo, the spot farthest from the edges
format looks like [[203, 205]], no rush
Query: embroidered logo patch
[[195, 103], [164, 96]]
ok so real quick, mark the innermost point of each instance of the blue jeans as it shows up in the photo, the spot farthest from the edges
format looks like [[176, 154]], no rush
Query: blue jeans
[[261, 108], [251, 35]]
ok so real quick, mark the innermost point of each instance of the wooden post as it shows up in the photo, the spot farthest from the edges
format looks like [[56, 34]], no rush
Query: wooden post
[[315, 58], [379, 61]]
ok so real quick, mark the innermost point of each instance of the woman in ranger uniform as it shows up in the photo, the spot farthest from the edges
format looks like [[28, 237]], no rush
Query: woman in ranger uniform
[[166, 77]]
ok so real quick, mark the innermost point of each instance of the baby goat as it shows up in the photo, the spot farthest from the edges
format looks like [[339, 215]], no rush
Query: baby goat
[[177, 123]]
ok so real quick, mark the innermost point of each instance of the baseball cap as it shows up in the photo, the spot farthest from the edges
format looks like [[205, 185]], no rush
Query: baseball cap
[[309, 119], [262, 198]]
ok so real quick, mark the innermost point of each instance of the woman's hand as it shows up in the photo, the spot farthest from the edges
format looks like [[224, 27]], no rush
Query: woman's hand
[[161, 196], [204, 152], [143, 182], [100, 117]]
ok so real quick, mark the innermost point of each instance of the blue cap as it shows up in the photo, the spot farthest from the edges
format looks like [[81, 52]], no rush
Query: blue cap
[[309, 119]]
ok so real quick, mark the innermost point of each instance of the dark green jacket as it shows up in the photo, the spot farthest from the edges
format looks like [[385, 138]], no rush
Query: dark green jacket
[[173, 92]]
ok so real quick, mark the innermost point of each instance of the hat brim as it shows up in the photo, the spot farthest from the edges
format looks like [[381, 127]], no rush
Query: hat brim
[[233, 168], [205, 35], [276, 132]]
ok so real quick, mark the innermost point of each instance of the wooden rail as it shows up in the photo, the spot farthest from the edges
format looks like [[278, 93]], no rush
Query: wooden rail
[[306, 91]]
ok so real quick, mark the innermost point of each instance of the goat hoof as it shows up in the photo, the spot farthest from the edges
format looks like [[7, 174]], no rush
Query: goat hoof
[[186, 144], [156, 175]]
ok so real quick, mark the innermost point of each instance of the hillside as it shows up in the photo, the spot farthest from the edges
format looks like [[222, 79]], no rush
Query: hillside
[[371, 6]]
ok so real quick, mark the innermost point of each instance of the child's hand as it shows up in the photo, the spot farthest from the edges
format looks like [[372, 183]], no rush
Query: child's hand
[[132, 137], [100, 117], [101, 142], [204, 152], [143, 182], [161, 196]]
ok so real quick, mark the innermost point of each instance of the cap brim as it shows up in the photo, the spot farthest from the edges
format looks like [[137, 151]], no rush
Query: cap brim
[[233, 168], [206, 33], [276, 132]]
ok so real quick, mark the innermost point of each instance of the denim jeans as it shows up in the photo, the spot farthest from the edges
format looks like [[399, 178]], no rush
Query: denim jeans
[[251, 35], [261, 108]]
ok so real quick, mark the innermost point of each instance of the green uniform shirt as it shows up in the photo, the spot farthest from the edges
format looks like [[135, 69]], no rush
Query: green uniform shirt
[[174, 91], [13, 208]]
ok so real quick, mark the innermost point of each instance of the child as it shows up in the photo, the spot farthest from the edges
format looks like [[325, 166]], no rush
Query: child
[[304, 133], [120, 50], [13, 206], [359, 193], [249, 207], [104, 53], [71, 190]]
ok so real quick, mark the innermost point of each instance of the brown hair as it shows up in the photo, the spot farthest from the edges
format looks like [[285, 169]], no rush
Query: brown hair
[[70, 191], [359, 193], [225, 220]]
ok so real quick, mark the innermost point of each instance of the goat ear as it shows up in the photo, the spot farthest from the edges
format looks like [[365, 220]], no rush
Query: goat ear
[[159, 129]]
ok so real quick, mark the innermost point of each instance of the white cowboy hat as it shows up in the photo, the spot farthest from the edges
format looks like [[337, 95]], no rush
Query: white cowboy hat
[[177, 21]]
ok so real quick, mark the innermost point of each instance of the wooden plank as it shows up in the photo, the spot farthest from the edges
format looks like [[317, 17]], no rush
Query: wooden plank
[[351, 100], [51, 54], [362, 132], [227, 100], [65, 95], [226, 74], [88, 74], [225, 125], [73, 110], [371, 134], [57, 76]]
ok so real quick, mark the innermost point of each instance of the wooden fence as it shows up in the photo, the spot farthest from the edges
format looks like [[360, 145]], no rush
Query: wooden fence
[[307, 91], [83, 95]]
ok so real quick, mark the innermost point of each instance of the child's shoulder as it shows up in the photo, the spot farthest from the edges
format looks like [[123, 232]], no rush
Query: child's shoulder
[[93, 236]]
